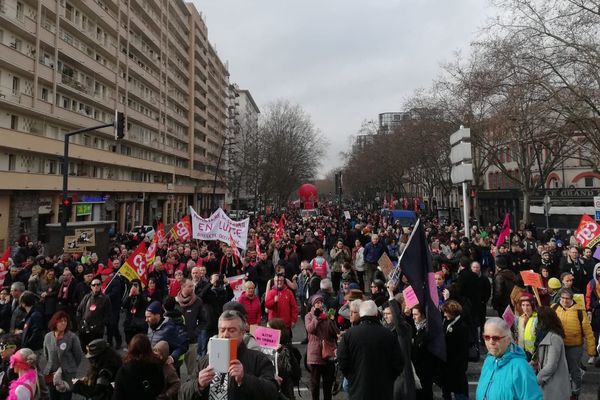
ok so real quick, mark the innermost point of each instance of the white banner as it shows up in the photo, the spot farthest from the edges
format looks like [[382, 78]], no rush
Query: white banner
[[220, 227]]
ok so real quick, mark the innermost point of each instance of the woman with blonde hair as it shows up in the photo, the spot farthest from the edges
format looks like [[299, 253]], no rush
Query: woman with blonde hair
[[23, 362]]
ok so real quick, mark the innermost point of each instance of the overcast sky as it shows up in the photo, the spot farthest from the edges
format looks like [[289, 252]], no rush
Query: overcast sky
[[343, 61]]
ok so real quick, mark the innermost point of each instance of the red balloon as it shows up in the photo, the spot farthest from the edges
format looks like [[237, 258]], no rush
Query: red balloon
[[307, 193]]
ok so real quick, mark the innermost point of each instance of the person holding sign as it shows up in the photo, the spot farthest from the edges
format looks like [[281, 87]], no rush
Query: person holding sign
[[251, 375]]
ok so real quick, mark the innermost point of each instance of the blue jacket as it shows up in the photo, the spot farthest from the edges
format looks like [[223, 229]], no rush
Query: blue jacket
[[372, 253], [509, 377], [168, 331]]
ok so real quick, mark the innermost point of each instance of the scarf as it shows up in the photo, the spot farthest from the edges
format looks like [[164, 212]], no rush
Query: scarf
[[185, 301], [421, 324], [28, 380], [63, 291]]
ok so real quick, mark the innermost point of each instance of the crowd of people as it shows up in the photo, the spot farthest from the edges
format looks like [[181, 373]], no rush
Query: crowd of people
[[148, 338]]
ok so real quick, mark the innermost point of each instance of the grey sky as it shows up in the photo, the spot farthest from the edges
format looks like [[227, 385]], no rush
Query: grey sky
[[343, 61]]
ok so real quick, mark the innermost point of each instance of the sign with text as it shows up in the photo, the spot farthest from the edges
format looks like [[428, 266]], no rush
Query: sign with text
[[220, 227], [588, 232], [86, 236], [410, 297], [267, 337], [532, 279]]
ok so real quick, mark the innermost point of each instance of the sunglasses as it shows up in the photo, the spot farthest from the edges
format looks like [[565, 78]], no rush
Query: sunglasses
[[487, 338]]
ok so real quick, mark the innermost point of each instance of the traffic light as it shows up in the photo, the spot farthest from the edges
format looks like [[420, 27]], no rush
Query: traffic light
[[67, 203], [119, 125]]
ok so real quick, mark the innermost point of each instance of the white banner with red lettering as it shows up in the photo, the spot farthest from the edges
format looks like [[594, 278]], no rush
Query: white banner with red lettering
[[220, 227]]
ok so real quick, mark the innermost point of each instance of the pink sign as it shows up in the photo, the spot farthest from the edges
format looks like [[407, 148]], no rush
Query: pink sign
[[509, 316], [410, 297], [267, 337]]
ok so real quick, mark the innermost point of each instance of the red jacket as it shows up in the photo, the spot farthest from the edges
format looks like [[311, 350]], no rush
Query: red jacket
[[285, 308], [252, 308]]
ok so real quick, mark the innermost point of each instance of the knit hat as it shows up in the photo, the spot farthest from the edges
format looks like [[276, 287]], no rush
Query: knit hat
[[315, 298], [554, 283], [155, 307]]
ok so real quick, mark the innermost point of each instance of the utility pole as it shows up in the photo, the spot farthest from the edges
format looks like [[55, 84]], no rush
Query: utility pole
[[66, 203]]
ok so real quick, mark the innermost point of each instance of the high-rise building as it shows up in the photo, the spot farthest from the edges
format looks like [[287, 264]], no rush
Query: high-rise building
[[66, 65]]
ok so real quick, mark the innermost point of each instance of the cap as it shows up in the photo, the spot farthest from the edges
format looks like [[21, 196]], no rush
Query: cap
[[155, 307], [96, 347], [315, 298], [554, 283]]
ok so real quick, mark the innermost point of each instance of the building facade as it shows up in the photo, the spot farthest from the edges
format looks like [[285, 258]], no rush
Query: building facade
[[66, 65]]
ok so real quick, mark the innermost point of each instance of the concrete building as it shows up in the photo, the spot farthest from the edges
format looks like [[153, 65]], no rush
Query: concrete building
[[69, 64]]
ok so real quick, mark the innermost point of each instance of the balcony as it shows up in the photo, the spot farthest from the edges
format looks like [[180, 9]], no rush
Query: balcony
[[25, 25], [15, 60], [142, 73], [142, 118]]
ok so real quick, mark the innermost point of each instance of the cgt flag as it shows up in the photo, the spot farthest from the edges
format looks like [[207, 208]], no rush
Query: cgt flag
[[416, 265], [182, 230], [135, 266]]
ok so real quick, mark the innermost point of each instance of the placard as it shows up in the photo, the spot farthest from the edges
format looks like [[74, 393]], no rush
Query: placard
[[267, 337], [347, 215], [410, 297], [509, 316], [86, 236], [532, 279], [385, 264], [71, 245]]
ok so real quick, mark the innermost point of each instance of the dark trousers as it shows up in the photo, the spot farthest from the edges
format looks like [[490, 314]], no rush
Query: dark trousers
[[361, 280], [336, 280], [112, 330], [56, 395], [327, 373]]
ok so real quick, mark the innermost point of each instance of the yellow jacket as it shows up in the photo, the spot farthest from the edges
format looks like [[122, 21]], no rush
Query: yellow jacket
[[573, 328]]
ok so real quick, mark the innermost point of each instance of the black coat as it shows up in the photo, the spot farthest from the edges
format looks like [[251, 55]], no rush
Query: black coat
[[404, 387], [258, 383], [139, 380], [454, 375], [370, 357]]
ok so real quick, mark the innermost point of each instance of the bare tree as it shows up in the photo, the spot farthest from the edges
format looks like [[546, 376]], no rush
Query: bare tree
[[291, 147]]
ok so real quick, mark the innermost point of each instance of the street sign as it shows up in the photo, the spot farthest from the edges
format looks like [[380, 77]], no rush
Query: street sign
[[461, 173], [460, 152], [597, 207], [597, 215]]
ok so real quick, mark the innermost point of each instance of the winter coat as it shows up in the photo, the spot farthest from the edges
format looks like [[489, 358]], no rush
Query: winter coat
[[370, 357], [285, 308], [64, 353], [33, 331], [169, 332], [193, 318], [94, 313], [509, 377], [504, 281], [578, 270], [252, 307], [258, 382], [553, 376], [135, 318], [575, 330], [139, 380], [214, 298], [592, 300], [404, 386], [319, 329], [454, 375]]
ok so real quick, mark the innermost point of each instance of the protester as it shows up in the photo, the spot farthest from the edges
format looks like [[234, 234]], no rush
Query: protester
[[251, 303], [162, 328], [33, 327], [427, 366], [506, 374], [141, 376], [281, 303], [251, 376], [134, 306], [99, 379], [93, 314], [454, 373], [24, 387], [191, 308], [549, 359], [63, 355], [322, 339], [370, 357], [526, 324], [592, 304], [172, 381]]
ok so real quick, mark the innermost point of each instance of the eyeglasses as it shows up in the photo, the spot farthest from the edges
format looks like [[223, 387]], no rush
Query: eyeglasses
[[487, 338], [95, 284], [566, 298]]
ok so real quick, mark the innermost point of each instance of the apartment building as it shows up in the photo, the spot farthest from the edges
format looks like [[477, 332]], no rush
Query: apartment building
[[65, 65]]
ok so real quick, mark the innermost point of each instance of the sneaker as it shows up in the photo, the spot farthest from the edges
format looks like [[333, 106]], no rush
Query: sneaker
[[591, 360]]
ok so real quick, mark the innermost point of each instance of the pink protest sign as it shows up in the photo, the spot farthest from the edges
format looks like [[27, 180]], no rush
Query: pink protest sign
[[509, 316], [433, 292], [267, 337], [410, 297]]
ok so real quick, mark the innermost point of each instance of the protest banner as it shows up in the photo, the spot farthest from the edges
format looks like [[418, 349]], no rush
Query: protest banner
[[410, 297], [588, 232], [220, 227], [72, 246]]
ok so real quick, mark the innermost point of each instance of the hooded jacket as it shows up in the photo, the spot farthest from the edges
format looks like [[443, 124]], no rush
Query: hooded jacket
[[509, 377], [576, 330]]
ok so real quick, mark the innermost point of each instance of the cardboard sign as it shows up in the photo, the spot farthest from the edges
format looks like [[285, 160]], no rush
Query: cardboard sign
[[410, 297], [267, 337], [588, 232], [72, 246], [385, 264], [86, 237], [532, 279], [509, 316], [347, 215]]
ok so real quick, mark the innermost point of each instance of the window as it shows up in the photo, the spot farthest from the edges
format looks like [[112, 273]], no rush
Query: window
[[44, 94], [14, 122], [15, 85], [52, 167], [589, 181], [12, 162], [19, 11]]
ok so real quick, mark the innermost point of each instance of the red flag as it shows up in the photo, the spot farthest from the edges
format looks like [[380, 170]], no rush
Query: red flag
[[405, 203], [392, 201], [151, 253], [233, 245], [160, 233], [182, 230], [415, 204], [259, 221], [135, 266], [588, 232], [385, 202], [505, 232], [279, 230], [4, 265], [273, 224]]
